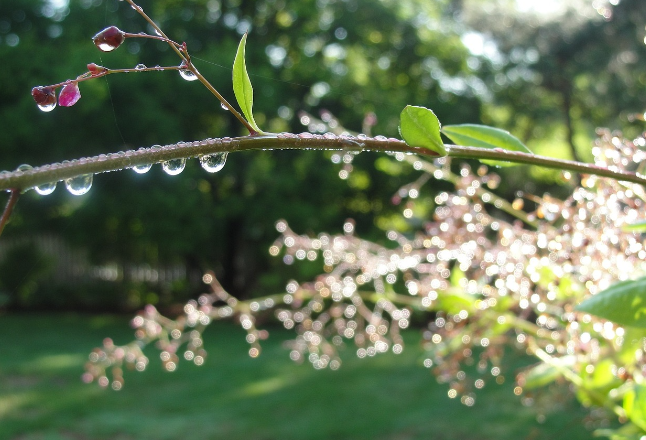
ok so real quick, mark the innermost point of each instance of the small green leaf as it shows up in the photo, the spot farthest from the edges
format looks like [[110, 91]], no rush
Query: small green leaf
[[419, 127], [623, 303], [635, 227], [482, 136], [541, 375], [242, 85]]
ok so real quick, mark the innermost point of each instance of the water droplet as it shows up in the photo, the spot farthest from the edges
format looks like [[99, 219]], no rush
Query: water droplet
[[224, 107], [24, 167], [187, 74], [140, 67], [46, 188], [213, 162], [79, 185], [45, 98], [174, 166], [47, 107], [142, 169]]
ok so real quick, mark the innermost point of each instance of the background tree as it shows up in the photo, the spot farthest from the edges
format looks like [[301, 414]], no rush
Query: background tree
[[350, 65]]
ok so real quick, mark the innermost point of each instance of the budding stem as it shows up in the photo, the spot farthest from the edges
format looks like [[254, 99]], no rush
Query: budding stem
[[188, 64]]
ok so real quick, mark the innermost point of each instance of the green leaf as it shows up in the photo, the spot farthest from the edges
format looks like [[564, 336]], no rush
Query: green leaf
[[635, 227], [541, 375], [635, 405], [242, 85], [419, 127], [482, 136], [623, 303]]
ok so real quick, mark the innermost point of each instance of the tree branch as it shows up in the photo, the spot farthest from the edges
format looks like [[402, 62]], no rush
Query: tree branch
[[22, 180]]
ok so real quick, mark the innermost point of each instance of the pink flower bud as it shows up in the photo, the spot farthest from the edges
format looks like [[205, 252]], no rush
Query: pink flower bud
[[95, 69], [45, 97], [69, 95], [109, 38]]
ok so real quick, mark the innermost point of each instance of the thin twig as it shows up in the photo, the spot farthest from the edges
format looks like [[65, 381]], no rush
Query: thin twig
[[8, 209], [188, 64]]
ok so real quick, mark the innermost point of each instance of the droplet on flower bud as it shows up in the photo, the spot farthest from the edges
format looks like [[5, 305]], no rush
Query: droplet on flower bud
[[95, 69], [45, 98], [109, 38], [70, 94]]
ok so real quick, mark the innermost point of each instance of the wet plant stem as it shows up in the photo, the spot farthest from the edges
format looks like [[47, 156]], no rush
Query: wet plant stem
[[22, 180], [8, 209], [188, 65]]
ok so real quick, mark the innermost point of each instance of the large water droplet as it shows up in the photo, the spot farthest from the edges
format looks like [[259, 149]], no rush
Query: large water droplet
[[174, 167], [187, 74], [224, 107], [140, 67], [46, 188], [142, 169], [79, 185], [213, 162], [47, 107]]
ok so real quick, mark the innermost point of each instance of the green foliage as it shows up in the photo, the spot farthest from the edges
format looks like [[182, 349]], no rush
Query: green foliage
[[419, 127], [226, 219], [635, 405], [482, 136], [623, 303], [21, 275], [242, 84], [541, 375]]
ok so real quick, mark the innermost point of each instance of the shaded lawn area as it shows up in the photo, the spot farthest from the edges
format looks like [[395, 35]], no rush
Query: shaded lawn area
[[235, 397]]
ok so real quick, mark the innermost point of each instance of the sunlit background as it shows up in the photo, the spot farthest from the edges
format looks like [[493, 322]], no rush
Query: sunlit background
[[550, 72]]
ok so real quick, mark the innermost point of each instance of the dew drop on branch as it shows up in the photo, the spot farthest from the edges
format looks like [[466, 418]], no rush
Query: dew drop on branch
[[142, 169], [174, 166], [79, 185], [187, 74], [24, 167], [46, 188], [224, 107], [140, 67], [213, 162]]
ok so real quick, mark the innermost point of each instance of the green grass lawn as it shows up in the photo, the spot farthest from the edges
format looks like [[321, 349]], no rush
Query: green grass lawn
[[235, 397]]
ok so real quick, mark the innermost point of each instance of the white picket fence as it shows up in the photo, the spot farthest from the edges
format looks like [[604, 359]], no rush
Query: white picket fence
[[73, 266]]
